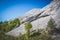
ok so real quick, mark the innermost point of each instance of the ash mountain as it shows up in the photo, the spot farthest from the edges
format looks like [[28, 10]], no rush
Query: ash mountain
[[39, 18]]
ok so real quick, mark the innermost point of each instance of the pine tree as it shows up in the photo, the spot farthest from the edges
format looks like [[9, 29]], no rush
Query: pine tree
[[51, 26], [28, 26]]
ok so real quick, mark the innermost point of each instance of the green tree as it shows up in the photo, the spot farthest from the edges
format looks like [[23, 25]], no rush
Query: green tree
[[51, 26], [28, 26], [15, 22], [9, 25]]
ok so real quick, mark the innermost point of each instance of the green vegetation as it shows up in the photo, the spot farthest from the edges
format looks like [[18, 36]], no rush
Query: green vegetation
[[9, 25], [28, 26], [51, 26], [40, 34]]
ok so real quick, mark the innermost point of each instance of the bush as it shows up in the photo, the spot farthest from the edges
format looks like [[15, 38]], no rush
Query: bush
[[9, 25]]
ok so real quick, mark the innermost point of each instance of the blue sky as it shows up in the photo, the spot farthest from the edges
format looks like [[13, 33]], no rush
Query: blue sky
[[10, 9]]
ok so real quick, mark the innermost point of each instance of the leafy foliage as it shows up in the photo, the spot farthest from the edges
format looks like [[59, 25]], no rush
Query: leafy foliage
[[9, 25], [28, 25], [51, 26], [41, 34]]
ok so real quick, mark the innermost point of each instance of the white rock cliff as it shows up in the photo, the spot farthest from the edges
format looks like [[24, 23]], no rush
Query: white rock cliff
[[52, 9]]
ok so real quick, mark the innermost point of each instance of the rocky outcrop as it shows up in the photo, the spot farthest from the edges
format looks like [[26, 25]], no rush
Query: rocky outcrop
[[39, 18]]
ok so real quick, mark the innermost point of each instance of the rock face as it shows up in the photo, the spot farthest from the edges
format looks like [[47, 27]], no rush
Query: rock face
[[39, 18]]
